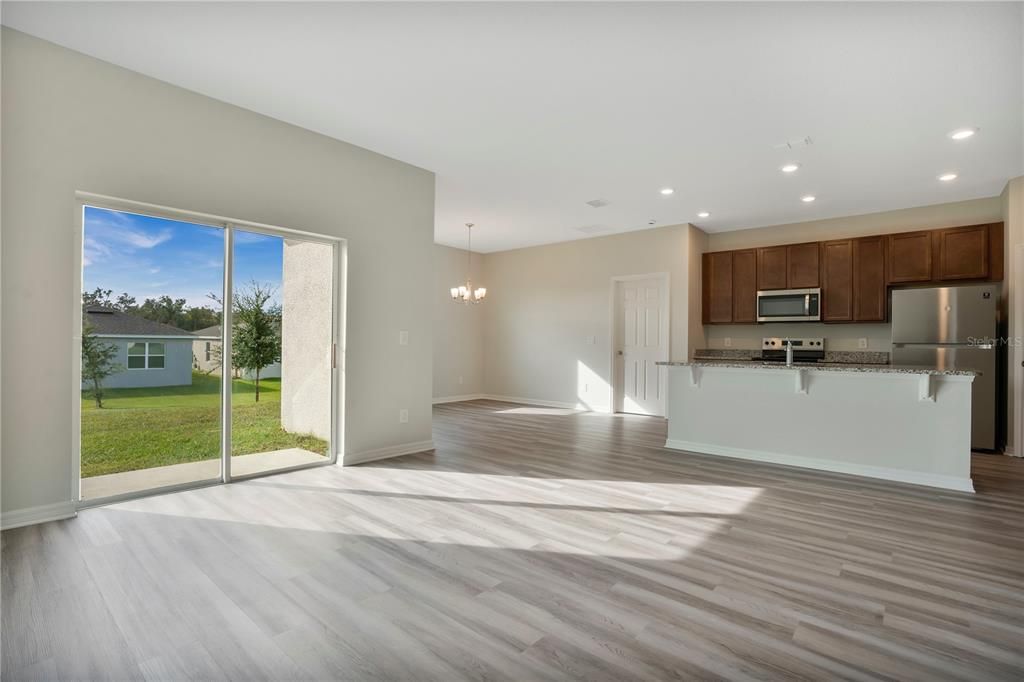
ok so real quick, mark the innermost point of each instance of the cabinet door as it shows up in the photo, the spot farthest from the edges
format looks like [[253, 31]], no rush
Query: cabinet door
[[717, 281], [802, 266], [962, 253], [771, 268], [910, 257], [837, 280], [744, 286], [869, 292]]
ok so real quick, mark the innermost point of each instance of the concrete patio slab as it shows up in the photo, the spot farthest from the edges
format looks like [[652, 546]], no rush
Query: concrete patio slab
[[108, 485]]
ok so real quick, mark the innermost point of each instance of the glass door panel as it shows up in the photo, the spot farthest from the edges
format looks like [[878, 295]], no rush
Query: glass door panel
[[281, 352], [150, 403]]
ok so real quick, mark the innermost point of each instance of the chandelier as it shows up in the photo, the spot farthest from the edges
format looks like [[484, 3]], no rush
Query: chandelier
[[465, 293]]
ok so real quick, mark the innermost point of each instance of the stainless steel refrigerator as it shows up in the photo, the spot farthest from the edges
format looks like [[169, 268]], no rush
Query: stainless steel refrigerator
[[955, 328]]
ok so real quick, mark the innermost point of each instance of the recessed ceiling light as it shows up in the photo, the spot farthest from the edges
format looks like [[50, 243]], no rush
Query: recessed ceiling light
[[667, 191], [963, 133], [790, 168], [947, 177], [808, 198], [703, 214]]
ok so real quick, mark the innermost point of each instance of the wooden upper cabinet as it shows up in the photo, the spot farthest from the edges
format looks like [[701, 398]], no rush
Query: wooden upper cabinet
[[802, 266], [717, 288], [837, 280], [744, 286], [962, 253], [910, 257], [870, 302], [771, 268]]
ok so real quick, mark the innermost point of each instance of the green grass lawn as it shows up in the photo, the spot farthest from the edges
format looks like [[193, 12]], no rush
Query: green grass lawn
[[139, 428]]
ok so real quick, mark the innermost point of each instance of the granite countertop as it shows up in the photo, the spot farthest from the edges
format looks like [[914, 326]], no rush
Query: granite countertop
[[825, 367]]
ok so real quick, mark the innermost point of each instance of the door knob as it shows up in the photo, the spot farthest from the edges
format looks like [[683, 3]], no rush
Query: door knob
[[620, 353]]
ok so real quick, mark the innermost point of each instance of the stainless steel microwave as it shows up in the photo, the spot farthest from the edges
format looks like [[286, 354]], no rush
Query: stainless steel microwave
[[789, 305]]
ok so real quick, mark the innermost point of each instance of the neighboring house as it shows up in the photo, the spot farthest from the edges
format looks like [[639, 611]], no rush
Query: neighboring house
[[205, 349], [206, 355], [149, 353]]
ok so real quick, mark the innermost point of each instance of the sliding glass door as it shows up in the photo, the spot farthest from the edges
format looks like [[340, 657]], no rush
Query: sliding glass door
[[207, 352], [150, 412]]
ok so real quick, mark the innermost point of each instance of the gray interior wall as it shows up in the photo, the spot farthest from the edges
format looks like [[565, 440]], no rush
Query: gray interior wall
[[547, 321], [73, 123], [458, 328]]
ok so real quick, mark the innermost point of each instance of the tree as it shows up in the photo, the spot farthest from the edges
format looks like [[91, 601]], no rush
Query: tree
[[164, 309], [97, 362], [101, 297], [256, 330]]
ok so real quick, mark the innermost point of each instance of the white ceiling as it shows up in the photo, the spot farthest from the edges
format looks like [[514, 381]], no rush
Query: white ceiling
[[527, 111]]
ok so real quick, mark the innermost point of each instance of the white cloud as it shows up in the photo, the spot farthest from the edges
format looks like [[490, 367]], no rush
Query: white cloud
[[140, 240]]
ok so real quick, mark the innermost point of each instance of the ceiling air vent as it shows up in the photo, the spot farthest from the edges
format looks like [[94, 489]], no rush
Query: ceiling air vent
[[597, 203], [592, 229]]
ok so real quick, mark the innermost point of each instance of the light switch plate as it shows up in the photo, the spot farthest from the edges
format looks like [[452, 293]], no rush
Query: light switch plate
[[591, 340], [403, 416], [403, 338], [728, 342]]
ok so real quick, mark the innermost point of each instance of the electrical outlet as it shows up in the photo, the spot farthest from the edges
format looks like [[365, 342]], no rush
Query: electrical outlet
[[403, 338], [591, 340], [460, 380], [403, 416], [728, 342], [862, 343]]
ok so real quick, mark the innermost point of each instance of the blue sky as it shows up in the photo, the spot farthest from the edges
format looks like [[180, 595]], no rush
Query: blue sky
[[150, 257]]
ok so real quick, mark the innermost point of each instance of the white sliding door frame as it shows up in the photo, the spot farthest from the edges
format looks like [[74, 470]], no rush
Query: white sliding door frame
[[229, 225]]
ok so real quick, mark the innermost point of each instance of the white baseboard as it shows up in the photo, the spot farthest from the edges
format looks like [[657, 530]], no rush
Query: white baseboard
[[520, 401], [459, 398], [533, 401], [898, 475], [390, 451], [41, 514], [1010, 452]]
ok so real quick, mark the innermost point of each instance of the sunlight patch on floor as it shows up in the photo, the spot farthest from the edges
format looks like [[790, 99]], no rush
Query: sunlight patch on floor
[[478, 510]]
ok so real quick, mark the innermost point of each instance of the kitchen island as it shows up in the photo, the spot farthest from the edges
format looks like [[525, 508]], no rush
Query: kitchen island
[[908, 424]]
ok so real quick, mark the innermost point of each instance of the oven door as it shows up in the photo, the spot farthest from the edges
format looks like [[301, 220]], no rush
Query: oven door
[[789, 305]]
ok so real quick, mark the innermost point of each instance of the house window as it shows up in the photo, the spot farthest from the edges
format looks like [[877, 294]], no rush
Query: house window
[[145, 355], [207, 351]]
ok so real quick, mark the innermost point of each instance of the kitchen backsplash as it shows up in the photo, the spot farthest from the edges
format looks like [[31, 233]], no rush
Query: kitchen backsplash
[[857, 357], [845, 337]]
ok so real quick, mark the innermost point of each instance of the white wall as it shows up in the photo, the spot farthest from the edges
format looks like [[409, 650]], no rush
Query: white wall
[[71, 123], [545, 302], [1012, 203], [458, 328], [841, 336]]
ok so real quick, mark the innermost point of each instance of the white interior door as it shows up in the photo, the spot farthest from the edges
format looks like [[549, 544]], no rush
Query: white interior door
[[642, 337]]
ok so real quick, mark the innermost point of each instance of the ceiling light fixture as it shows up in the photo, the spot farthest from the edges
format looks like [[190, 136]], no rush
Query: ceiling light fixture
[[808, 198], [963, 133], [703, 214], [667, 191], [947, 177], [465, 293], [790, 168]]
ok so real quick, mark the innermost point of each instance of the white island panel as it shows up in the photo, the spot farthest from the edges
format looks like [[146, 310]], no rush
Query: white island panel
[[912, 427]]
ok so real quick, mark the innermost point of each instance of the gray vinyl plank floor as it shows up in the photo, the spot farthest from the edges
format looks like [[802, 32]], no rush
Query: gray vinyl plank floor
[[533, 544]]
